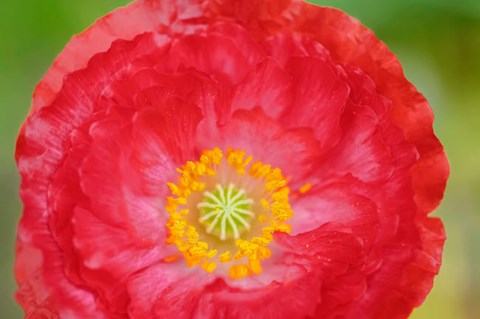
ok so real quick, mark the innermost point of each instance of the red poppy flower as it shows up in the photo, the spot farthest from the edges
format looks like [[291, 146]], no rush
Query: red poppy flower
[[227, 159]]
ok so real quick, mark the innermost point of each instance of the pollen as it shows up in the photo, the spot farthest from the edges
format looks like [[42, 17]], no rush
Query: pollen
[[305, 188], [225, 257], [238, 271], [209, 266], [225, 209], [171, 259]]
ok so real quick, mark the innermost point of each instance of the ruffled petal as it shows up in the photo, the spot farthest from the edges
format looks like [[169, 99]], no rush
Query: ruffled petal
[[261, 17], [124, 23], [213, 54], [35, 286], [42, 141], [282, 47], [125, 159], [161, 291], [319, 98], [293, 150], [345, 202], [268, 87], [297, 298], [339, 256], [351, 43], [107, 170], [171, 121], [370, 149], [99, 234], [109, 256]]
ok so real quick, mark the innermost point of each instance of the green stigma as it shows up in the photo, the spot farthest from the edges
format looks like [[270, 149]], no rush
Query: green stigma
[[226, 212]]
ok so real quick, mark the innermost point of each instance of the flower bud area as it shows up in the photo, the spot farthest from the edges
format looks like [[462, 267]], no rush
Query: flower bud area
[[224, 210]]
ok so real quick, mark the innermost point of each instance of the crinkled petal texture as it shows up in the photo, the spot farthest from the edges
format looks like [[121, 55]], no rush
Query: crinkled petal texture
[[303, 88]]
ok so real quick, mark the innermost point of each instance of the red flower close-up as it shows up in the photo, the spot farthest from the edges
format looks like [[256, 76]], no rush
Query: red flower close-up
[[227, 159]]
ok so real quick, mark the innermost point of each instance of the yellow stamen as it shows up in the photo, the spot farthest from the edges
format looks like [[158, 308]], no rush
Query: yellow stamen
[[262, 218], [305, 188], [264, 203], [209, 266], [225, 257], [171, 259], [255, 266], [238, 271], [193, 179]]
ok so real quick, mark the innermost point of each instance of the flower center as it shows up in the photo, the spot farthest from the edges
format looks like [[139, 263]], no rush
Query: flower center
[[224, 211]]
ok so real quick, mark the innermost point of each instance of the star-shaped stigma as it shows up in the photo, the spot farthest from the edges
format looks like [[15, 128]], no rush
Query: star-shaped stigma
[[226, 211]]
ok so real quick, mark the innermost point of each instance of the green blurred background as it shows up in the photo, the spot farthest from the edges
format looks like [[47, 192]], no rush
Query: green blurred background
[[437, 41]]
